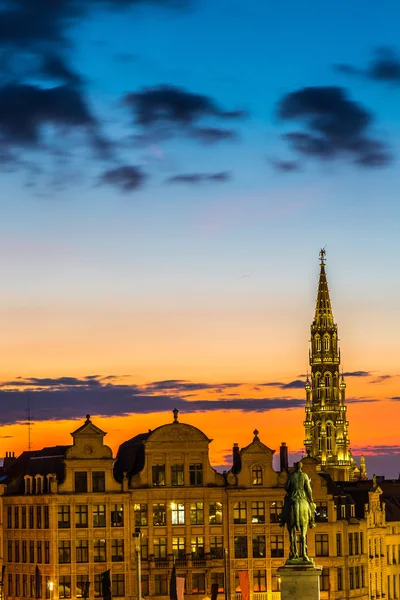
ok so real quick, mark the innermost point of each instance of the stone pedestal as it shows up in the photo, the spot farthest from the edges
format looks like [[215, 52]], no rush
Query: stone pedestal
[[299, 582]]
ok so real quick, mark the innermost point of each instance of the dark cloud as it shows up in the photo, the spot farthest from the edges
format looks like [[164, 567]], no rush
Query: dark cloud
[[213, 135], [292, 385], [379, 449], [26, 109], [171, 110], [70, 397], [333, 126], [383, 67], [125, 178], [287, 166], [361, 400], [356, 374], [382, 378], [198, 178], [395, 398]]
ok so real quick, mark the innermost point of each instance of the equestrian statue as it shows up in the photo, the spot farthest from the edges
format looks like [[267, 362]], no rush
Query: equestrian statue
[[298, 514]]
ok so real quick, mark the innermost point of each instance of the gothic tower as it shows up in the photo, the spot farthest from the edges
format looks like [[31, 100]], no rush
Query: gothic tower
[[326, 426]]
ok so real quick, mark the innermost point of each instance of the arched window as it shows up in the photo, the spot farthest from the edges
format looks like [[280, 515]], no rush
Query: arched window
[[28, 484], [329, 435], [328, 386], [39, 484], [319, 437], [317, 343], [257, 476], [326, 343], [334, 342]]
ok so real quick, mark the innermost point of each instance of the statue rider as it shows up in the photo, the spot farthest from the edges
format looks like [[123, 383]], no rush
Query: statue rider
[[298, 487]]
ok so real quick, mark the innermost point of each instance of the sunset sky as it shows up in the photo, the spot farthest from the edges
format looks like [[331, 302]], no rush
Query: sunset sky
[[169, 172]]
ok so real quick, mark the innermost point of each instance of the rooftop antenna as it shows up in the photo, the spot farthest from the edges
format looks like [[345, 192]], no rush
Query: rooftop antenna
[[29, 423]]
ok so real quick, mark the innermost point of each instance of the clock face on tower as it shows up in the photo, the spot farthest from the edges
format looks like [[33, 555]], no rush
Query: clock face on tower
[[88, 449]]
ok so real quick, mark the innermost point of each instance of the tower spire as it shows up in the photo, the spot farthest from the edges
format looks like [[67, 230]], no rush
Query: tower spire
[[326, 427]]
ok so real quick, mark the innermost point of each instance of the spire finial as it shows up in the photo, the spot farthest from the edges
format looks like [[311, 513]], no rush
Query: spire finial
[[256, 432], [175, 411], [322, 254], [87, 419]]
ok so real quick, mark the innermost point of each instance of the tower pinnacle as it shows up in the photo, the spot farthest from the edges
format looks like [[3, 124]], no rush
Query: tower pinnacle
[[326, 428]]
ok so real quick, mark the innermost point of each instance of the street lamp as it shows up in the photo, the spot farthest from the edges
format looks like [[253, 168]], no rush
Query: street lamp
[[137, 536]]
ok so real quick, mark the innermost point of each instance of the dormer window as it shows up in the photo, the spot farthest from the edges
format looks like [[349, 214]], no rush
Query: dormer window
[[352, 512], [257, 476], [28, 484]]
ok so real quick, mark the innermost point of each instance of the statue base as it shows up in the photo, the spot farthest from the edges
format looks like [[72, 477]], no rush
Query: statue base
[[299, 581]]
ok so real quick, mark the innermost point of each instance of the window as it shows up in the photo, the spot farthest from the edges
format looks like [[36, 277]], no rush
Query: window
[[24, 551], [47, 552], [275, 582], [32, 586], [159, 514], [46, 517], [98, 481], [218, 580], [117, 515], [178, 547], [339, 544], [64, 586], [28, 485], [99, 515], [240, 546], [257, 476], [23, 511], [81, 481], [9, 517], [81, 583], [340, 579], [258, 512], [259, 581], [145, 585], [275, 509], [197, 513], [324, 581], [196, 474], [351, 544], [81, 515], [321, 544], [160, 584], [97, 585], [64, 552], [160, 547], [141, 514], [31, 517], [351, 573], [9, 551], [118, 585], [16, 550], [362, 576], [276, 546], [16, 517], [356, 549], [39, 517], [258, 546], [99, 547], [329, 435], [357, 578], [178, 513], [361, 543], [117, 550], [318, 343], [82, 551], [326, 343], [24, 586], [321, 512], [158, 475], [217, 546], [198, 583], [31, 551], [10, 585], [144, 544], [197, 547], [215, 513], [17, 585], [64, 517], [177, 475], [239, 513]]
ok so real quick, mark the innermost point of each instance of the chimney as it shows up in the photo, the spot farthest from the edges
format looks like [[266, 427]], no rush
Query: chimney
[[236, 457], [8, 460], [284, 457]]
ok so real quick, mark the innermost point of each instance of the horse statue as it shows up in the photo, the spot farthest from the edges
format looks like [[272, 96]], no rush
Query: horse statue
[[298, 513]]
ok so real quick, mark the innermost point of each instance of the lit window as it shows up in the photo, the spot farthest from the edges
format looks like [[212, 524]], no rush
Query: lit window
[[258, 512], [178, 513], [197, 513], [160, 547], [257, 476], [215, 513], [178, 547], [177, 475], [159, 514], [158, 472]]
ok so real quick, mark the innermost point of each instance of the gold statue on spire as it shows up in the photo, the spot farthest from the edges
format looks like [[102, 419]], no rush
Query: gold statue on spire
[[322, 254]]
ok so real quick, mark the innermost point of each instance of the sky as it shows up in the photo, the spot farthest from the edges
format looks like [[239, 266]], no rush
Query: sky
[[169, 172]]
